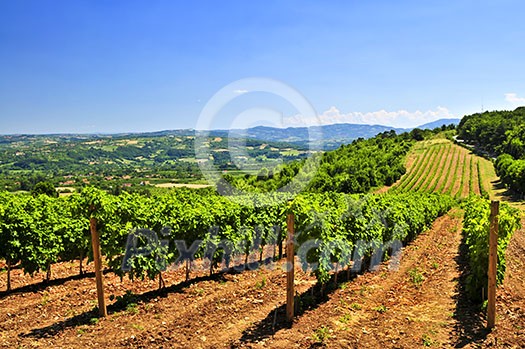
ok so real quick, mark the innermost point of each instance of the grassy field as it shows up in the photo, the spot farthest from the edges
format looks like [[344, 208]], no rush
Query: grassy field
[[438, 165]]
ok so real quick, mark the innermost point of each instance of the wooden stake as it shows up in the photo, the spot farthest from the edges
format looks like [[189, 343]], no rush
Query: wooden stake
[[335, 275], [493, 262], [162, 284], [48, 272], [81, 259], [187, 270], [8, 275], [280, 243], [290, 293], [98, 267]]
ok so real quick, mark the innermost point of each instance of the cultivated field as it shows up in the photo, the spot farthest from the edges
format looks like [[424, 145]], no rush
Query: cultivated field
[[438, 165]]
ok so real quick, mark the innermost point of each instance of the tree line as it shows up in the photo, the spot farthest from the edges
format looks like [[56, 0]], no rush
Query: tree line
[[501, 134]]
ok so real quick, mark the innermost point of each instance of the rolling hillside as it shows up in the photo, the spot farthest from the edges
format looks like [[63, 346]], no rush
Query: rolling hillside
[[438, 165]]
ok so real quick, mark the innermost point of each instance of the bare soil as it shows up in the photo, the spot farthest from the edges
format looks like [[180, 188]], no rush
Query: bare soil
[[417, 302]]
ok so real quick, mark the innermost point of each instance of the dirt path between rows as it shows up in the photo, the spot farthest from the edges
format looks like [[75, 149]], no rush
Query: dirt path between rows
[[203, 312], [418, 302], [413, 306]]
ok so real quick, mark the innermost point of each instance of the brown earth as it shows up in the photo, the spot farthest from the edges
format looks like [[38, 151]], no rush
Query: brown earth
[[419, 303]]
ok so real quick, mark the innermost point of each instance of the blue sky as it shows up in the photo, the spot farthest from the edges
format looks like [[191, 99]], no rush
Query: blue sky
[[115, 66]]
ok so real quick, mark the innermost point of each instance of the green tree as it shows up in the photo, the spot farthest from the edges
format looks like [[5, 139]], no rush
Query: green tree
[[45, 188]]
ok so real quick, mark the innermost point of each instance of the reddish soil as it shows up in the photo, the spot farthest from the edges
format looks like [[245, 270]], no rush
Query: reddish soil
[[418, 304], [393, 308], [204, 312]]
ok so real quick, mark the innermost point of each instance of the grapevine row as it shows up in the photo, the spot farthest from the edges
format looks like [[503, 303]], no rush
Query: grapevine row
[[36, 232], [476, 228], [405, 180], [445, 168]]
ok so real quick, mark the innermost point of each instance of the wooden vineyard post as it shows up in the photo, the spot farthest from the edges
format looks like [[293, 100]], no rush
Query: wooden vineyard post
[[8, 275], [95, 240], [290, 292], [493, 262]]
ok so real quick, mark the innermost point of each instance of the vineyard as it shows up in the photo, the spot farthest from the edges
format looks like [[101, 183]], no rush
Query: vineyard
[[192, 268], [476, 228], [262, 174], [440, 166], [37, 232]]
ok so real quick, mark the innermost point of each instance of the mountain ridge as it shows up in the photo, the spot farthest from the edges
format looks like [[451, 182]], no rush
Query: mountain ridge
[[319, 137], [325, 136]]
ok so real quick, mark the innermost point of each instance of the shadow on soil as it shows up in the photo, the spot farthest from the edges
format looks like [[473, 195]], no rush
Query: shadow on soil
[[505, 194], [276, 319], [32, 288], [470, 330], [471, 325], [127, 302]]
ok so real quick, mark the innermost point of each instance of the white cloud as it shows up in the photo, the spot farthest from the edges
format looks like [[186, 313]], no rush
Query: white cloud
[[514, 99], [400, 118], [240, 92]]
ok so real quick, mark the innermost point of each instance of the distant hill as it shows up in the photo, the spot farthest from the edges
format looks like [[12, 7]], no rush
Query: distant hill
[[438, 123], [331, 136], [325, 137]]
